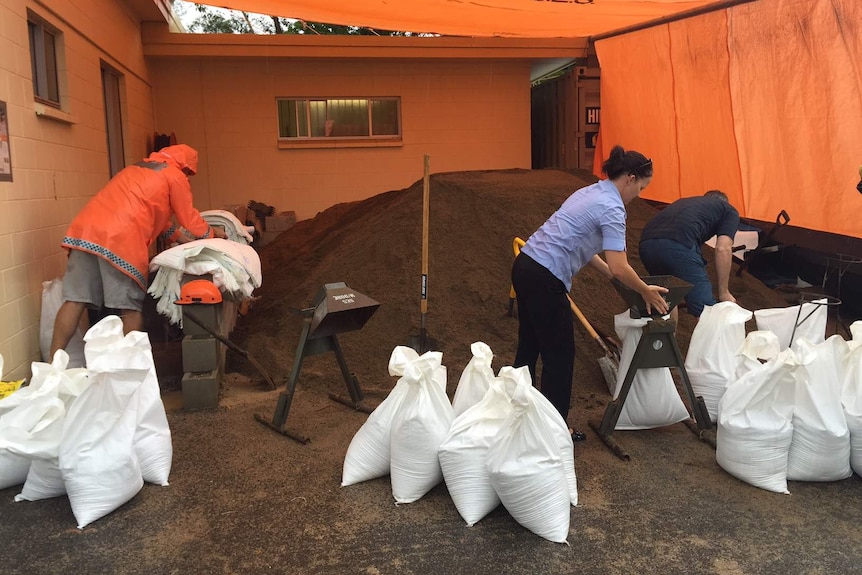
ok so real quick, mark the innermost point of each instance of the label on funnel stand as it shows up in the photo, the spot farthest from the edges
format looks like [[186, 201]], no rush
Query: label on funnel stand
[[345, 298]]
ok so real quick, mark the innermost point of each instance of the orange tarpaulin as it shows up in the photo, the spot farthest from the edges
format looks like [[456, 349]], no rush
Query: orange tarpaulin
[[761, 100], [513, 18]]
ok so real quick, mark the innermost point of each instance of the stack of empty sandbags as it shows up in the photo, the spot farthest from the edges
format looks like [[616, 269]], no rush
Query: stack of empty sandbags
[[507, 444], [95, 433]]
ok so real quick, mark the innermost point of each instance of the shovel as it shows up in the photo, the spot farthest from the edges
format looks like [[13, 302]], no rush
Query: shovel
[[422, 343], [610, 363], [233, 346]]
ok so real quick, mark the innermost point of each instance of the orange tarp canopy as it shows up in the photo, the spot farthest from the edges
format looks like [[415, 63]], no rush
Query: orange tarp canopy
[[513, 18], [761, 100]]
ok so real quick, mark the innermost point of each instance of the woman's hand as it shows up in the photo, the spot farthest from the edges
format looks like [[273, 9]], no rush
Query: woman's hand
[[654, 300]]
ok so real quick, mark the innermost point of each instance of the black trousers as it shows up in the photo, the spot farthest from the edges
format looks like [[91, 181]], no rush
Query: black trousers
[[546, 329]]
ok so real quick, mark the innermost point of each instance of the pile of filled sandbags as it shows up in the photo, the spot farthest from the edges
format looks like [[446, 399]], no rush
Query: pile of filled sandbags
[[793, 415], [506, 445], [95, 433]]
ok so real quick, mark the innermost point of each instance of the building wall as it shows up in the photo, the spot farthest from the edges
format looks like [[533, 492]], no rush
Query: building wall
[[466, 115], [59, 157]]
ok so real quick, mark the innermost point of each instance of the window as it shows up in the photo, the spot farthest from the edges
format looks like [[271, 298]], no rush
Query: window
[[348, 118], [45, 48], [111, 92]]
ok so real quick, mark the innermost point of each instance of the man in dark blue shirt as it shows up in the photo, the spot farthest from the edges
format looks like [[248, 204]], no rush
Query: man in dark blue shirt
[[671, 243]]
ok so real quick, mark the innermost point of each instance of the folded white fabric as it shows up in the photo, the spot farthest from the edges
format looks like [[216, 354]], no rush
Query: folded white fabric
[[235, 269], [224, 216]]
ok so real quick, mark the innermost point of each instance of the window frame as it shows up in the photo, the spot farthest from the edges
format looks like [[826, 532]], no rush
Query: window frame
[[310, 140], [47, 70]]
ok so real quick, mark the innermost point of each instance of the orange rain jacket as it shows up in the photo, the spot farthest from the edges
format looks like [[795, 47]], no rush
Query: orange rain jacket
[[121, 221]]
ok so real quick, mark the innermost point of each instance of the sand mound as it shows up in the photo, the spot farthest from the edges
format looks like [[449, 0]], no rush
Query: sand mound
[[375, 247]]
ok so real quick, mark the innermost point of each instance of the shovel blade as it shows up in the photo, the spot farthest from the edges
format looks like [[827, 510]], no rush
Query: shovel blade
[[422, 343]]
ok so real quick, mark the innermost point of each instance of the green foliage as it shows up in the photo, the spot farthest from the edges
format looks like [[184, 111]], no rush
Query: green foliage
[[209, 21]]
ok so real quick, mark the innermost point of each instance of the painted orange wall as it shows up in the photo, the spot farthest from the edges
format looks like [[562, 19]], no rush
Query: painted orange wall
[[467, 115], [59, 157]]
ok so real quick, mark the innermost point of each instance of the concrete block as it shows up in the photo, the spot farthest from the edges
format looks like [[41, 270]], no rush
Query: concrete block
[[210, 314], [280, 222], [201, 390], [200, 353]]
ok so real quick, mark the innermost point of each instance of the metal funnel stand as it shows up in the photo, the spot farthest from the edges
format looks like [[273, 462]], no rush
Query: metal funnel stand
[[657, 348], [337, 309]]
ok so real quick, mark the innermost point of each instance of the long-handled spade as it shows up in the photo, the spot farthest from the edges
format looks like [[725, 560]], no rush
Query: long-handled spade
[[422, 342]]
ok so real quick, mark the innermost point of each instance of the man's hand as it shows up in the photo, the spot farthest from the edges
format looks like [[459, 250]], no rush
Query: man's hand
[[219, 233], [726, 296]]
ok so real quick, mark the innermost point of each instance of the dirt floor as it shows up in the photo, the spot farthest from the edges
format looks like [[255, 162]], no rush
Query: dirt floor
[[244, 499]]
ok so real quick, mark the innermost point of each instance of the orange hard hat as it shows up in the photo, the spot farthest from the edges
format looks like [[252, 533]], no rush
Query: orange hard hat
[[199, 291]]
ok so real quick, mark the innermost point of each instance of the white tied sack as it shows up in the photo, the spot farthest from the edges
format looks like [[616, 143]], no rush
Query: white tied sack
[[755, 424], [34, 427], [13, 468], [475, 379], [527, 471], [107, 349], [98, 454], [559, 429], [52, 299], [851, 396], [758, 345], [781, 321], [712, 353], [464, 452], [653, 400], [820, 450], [419, 426], [369, 453]]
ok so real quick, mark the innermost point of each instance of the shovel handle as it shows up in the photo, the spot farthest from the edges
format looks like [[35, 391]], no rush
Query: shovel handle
[[587, 326]]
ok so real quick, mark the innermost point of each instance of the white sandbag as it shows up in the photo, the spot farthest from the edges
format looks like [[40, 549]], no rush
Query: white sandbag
[[52, 299], [527, 472], [109, 350], [851, 397], [13, 468], [97, 455], [369, 453], [463, 454], [758, 345], [856, 333], [712, 357], [420, 424], [44, 481], [475, 379], [754, 424], [557, 426], [820, 450], [31, 420], [653, 400], [811, 320]]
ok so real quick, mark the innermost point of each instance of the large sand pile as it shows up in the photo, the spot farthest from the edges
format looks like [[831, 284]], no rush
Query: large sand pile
[[375, 247]]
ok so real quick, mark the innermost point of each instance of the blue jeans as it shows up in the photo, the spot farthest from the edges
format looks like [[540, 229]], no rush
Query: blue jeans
[[667, 257]]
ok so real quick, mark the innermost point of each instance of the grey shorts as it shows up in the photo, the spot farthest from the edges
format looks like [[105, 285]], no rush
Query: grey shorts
[[92, 280]]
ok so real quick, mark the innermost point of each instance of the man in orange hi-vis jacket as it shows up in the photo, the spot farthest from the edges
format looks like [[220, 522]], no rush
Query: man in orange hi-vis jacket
[[109, 240]]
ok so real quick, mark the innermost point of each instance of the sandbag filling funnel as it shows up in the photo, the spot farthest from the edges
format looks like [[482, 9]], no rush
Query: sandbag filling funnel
[[339, 309], [677, 290]]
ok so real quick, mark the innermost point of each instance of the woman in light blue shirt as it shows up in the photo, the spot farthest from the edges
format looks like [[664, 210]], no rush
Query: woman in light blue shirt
[[590, 221]]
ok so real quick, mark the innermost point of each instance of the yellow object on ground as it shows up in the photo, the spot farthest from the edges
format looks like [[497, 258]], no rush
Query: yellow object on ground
[[9, 387]]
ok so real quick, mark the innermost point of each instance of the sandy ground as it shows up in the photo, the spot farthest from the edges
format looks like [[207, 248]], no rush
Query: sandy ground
[[244, 499]]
